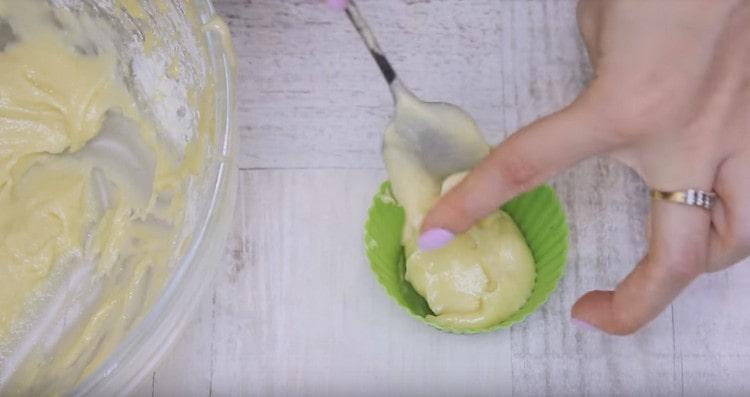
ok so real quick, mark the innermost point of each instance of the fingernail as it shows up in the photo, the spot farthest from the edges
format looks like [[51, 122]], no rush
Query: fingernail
[[337, 5], [583, 326], [434, 239]]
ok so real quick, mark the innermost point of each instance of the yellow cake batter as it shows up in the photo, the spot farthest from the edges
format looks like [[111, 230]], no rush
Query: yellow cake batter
[[482, 276], [478, 279], [70, 203]]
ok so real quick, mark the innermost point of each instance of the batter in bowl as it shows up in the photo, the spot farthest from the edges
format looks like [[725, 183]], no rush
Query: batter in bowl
[[89, 195]]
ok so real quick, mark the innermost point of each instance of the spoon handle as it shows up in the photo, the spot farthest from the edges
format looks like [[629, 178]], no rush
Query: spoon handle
[[372, 44]]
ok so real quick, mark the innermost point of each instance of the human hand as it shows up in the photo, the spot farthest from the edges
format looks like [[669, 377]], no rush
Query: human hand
[[671, 99]]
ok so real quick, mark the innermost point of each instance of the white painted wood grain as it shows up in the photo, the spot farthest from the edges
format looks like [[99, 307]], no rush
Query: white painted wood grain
[[311, 111], [712, 327]]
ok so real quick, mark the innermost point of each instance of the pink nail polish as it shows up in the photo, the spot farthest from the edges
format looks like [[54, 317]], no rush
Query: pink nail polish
[[583, 326], [434, 239], [337, 5]]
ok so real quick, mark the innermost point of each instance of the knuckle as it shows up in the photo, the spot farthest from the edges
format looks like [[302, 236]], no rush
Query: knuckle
[[624, 324], [738, 239], [739, 229], [629, 115], [458, 215], [686, 263], [518, 173], [642, 105], [452, 212], [624, 318], [585, 16], [743, 241], [583, 9]]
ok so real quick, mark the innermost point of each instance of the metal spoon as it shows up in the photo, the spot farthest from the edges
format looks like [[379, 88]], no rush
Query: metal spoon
[[428, 140]]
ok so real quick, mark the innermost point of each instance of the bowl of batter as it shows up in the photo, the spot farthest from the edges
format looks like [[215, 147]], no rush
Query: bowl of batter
[[116, 185]]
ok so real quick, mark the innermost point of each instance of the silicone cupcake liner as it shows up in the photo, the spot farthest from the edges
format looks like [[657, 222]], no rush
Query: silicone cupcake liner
[[539, 216]]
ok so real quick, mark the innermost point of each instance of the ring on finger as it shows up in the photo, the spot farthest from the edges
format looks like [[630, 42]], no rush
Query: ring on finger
[[694, 197]]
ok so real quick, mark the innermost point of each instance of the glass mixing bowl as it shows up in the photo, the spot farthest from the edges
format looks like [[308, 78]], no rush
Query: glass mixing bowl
[[140, 351], [177, 60], [142, 348]]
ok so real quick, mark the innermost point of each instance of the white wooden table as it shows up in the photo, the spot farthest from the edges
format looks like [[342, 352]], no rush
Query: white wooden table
[[296, 311]]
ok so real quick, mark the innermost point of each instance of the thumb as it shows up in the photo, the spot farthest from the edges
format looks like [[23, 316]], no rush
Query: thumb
[[521, 162]]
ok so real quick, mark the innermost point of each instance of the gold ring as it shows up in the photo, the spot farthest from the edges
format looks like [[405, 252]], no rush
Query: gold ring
[[705, 200]]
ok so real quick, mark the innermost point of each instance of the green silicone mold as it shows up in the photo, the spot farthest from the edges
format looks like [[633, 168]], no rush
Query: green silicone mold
[[539, 216]]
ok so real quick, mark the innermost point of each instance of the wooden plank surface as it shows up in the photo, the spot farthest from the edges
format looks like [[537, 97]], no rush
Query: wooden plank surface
[[299, 312], [311, 111]]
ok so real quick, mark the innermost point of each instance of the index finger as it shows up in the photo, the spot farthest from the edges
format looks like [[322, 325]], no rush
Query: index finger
[[521, 162]]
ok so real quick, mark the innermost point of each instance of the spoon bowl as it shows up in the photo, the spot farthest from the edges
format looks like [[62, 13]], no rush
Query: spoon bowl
[[444, 137]]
